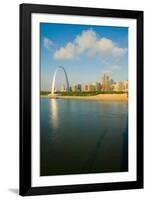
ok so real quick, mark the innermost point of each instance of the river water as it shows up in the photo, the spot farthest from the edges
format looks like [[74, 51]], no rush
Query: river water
[[83, 136]]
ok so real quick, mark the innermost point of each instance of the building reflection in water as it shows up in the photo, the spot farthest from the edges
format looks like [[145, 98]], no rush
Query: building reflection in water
[[54, 113]]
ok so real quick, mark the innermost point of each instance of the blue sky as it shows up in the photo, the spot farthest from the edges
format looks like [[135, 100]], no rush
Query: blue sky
[[85, 51]]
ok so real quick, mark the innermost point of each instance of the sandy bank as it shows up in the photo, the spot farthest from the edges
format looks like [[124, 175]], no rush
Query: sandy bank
[[101, 97]]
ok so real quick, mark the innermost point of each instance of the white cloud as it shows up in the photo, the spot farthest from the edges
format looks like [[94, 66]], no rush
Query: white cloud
[[88, 42], [47, 43], [119, 51], [67, 52], [108, 47], [85, 41]]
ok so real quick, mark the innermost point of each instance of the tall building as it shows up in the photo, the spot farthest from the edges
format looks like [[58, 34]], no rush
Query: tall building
[[105, 83], [77, 88]]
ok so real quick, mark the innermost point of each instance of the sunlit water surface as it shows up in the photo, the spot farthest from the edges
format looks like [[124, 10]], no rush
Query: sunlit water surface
[[83, 136]]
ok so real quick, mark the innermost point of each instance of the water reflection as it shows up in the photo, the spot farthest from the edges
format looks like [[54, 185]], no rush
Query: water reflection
[[83, 137], [54, 113]]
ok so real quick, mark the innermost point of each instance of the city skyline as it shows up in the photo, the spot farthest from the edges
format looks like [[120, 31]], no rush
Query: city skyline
[[85, 51], [105, 84]]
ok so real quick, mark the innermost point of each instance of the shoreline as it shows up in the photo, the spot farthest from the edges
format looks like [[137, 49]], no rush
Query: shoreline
[[99, 97]]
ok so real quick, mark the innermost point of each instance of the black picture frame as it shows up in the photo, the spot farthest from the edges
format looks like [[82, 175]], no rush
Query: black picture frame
[[25, 187]]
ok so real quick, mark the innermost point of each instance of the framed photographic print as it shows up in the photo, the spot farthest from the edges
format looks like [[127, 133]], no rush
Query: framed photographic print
[[81, 99]]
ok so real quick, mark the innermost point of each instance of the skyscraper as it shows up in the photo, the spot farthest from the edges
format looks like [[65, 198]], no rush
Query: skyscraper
[[105, 83]]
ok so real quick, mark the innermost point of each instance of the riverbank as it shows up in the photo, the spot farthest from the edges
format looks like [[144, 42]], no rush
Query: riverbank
[[101, 97]]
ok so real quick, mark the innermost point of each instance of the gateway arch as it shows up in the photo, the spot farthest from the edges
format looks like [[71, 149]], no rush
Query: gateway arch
[[54, 80]]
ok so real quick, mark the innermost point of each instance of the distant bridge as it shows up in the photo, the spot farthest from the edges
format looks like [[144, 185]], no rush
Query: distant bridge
[[54, 80]]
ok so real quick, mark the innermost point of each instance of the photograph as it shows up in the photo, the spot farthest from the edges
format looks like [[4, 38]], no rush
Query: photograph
[[83, 99]]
